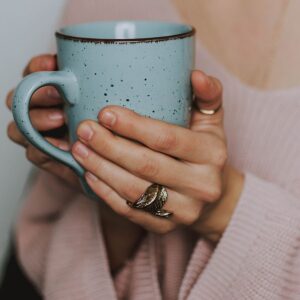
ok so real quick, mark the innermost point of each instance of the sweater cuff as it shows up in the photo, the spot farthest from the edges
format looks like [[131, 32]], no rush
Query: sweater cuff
[[259, 242]]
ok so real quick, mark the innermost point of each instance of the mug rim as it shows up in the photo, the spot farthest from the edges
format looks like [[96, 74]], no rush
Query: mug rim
[[189, 33]]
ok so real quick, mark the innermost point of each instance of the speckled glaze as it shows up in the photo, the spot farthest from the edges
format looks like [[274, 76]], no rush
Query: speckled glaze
[[142, 65]]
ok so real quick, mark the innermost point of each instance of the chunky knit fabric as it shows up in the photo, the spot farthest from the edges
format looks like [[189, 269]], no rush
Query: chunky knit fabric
[[59, 236]]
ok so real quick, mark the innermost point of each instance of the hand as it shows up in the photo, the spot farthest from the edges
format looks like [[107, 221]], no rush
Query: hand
[[127, 152], [46, 115]]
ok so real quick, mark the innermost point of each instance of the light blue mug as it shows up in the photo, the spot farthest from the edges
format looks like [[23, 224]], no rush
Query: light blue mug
[[142, 65]]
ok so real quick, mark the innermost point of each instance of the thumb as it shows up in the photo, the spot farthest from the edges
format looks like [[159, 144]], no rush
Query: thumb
[[208, 91]]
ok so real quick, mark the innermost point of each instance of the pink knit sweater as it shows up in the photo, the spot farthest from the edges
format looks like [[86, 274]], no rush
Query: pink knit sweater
[[58, 232]]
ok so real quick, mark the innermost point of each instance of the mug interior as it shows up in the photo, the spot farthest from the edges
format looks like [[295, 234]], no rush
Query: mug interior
[[126, 30]]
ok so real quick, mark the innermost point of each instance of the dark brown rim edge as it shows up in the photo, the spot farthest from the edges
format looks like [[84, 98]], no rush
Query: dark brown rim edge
[[137, 40]]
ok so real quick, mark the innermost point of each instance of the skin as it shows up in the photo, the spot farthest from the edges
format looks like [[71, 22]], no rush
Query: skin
[[248, 27], [202, 187], [218, 24], [265, 32], [120, 170]]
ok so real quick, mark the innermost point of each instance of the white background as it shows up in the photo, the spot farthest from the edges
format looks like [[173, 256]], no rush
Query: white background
[[26, 29]]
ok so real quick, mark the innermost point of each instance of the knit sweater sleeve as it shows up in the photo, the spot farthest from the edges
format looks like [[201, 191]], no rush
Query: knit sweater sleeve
[[48, 196], [43, 205], [258, 256]]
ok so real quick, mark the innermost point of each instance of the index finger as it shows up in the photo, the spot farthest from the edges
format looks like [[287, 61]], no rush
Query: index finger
[[46, 62], [164, 137]]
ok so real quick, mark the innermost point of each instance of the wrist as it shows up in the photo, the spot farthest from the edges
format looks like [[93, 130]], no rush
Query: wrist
[[216, 216]]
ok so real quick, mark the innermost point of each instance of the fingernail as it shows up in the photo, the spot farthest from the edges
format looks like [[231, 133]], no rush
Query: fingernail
[[57, 115], [81, 150], [108, 118], [91, 176], [53, 93], [64, 146], [85, 132]]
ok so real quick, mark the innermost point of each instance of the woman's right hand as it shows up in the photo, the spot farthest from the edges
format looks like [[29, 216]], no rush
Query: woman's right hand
[[47, 116]]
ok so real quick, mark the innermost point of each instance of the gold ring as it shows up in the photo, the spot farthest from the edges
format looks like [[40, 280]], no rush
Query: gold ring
[[210, 111], [206, 111]]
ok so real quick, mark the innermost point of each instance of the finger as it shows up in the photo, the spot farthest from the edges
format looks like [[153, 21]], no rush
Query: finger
[[61, 171], [38, 157], [15, 135], [118, 204], [9, 99], [46, 96], [137, 159], [163, 137], [207, 90], [47, 163], [46, 119], [130, 187], [46, 62], [148, 164], [43, 97]]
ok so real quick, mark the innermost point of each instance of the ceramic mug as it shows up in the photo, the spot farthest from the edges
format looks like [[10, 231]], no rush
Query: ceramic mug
[[142, 65]]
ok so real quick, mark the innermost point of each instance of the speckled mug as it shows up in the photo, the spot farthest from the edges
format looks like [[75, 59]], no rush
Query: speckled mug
[[142, 65]]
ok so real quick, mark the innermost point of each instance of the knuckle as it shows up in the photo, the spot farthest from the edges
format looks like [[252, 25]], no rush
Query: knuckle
[[220, 156], [209, 185], [192, 216], [148, 167], [166, 141], [127, 212], [213, 192], [131, 192]]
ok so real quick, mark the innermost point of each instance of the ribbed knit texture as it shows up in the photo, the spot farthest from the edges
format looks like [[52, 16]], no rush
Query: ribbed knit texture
[[59, 236]]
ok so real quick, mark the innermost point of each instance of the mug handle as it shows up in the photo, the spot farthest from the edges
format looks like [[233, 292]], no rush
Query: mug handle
[[66, 83]]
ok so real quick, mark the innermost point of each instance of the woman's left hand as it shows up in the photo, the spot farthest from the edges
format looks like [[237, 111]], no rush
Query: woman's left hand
[[127, 152]]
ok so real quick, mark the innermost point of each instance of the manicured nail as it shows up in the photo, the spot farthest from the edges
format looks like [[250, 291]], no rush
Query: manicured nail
[[81, 150], [52, 93], [85, 132], [108, 118], [57, 115], [91, 176]]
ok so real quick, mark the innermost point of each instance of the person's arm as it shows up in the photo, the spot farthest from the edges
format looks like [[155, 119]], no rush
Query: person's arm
[[37, 218], [258, 255], [46, 194], [44, 203]]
